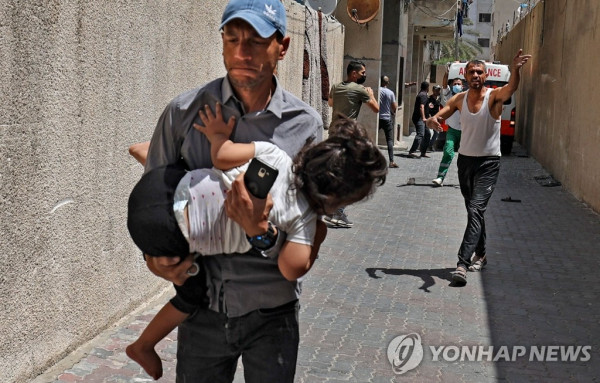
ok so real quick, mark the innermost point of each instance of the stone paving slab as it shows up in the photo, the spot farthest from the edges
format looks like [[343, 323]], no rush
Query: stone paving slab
[[389, 276]]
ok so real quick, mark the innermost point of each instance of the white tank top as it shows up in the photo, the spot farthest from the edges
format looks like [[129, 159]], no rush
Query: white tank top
[[480, 135]]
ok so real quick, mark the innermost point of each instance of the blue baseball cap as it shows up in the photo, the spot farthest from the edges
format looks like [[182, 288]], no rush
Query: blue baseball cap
[[265, 16]]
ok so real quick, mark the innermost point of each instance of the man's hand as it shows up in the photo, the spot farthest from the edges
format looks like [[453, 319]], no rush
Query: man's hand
[[251, 213], [214, 125], [520, 59], [434, 123], [171, 268]]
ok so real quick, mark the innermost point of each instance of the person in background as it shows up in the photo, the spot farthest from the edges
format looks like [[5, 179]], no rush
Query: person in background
[[433, 106], [418, 119], [387, 116], [452, 135], [346, 99]]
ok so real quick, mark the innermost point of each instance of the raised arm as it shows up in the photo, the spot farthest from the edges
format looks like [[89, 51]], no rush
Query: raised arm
[[225, 154], [372, 103], [504, 93]]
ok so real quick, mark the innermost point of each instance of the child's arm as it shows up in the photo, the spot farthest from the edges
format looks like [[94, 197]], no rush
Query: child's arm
[[296, 259], [224, 153], [139, 151]]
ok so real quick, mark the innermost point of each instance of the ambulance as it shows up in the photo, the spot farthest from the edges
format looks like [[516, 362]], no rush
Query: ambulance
[[497, 76]]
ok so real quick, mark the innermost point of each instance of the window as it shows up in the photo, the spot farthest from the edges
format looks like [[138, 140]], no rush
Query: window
[[485, 17], [484, 42]]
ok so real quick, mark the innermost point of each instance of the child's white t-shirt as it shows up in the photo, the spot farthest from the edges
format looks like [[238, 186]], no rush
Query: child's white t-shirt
[[212, 232]]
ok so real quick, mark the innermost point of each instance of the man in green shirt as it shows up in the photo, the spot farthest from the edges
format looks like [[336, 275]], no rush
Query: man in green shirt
[[348, 96], [346, 99]]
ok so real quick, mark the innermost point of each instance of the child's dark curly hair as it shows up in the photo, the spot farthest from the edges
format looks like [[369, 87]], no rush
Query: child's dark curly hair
[[345, 167]]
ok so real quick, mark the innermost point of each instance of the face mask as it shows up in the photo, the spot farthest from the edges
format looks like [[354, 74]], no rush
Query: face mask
[[361, 80], [456, 88]]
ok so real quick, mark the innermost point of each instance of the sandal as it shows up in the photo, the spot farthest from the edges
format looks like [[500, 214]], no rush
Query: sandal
[[460, 275], [479, 264]]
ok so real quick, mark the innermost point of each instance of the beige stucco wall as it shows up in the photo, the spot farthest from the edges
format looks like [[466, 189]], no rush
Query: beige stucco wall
[[80, 81], [557, 115]]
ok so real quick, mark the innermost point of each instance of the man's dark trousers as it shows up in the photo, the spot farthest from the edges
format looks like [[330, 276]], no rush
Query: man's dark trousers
[[477, 177], [267, 340], [388, 130], [421, 139]]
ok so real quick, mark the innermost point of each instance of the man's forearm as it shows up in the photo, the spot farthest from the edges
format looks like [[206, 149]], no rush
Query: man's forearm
[[515, 78]]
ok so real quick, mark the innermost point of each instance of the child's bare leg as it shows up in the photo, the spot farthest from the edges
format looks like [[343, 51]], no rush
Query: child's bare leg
[[142, 350], [146, 357]]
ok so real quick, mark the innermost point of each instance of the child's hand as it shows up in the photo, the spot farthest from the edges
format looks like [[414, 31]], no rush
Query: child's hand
[[214, 125]]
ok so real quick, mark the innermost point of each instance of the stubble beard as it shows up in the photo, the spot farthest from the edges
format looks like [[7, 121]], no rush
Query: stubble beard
[[245, 83], [478, 86]]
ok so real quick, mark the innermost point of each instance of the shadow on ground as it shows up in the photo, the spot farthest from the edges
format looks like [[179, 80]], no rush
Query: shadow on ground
[[427, 275]]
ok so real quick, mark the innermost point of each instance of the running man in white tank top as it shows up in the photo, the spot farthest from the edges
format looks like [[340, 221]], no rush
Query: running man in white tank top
[[479, 154]]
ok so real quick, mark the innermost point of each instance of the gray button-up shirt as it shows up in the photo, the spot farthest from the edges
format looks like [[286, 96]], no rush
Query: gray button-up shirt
[[237, 283]]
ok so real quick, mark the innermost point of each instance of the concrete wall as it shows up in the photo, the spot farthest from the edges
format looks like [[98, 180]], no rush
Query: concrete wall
[[503, 13], [393, 52], [80, 81], [557, 115], [418, 70]]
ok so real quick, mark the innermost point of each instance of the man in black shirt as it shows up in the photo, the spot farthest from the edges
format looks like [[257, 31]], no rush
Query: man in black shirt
[[418, 119], [433, 106]]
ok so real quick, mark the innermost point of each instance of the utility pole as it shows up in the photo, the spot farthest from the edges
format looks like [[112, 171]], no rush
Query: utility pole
[[456, 45], [456, 36]]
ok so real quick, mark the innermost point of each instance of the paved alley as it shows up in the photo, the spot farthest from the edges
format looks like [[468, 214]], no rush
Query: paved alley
[[533, 315]]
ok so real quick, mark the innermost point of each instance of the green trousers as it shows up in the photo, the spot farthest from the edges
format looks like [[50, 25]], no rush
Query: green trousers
[[452, 144]]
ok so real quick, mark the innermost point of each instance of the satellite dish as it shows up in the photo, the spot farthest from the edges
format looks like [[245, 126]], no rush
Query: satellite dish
[[363, 11], [327, 6]]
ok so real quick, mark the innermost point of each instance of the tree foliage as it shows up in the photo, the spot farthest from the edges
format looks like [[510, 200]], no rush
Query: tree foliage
[[467, 50]]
